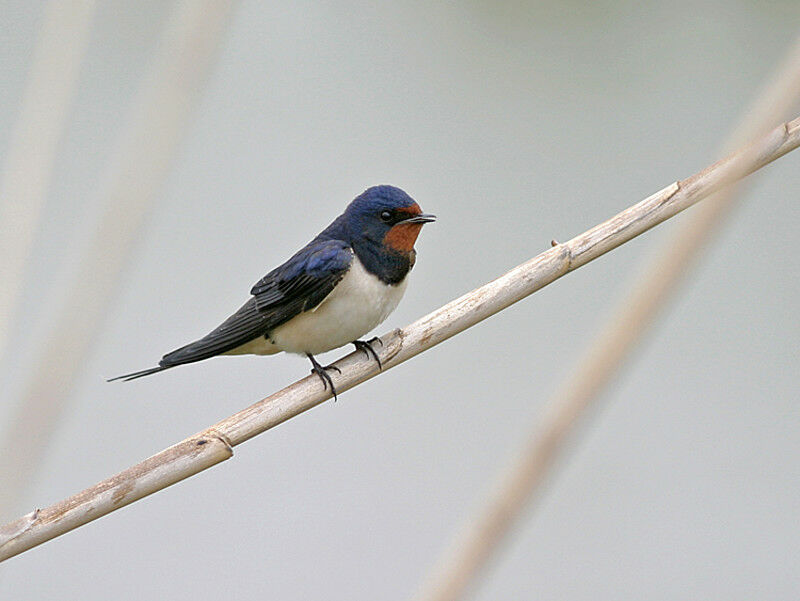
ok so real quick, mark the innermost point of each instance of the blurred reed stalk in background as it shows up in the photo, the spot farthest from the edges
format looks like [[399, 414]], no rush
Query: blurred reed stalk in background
[[481, 538], [216, 443], [156, 123], [44, 108]]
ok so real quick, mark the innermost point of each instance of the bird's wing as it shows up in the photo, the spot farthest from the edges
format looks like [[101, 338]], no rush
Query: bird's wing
[[298, 285], [303, 281], [241, 327]]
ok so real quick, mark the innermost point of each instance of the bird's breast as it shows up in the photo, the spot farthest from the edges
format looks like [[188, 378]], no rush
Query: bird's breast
[[358, 304]]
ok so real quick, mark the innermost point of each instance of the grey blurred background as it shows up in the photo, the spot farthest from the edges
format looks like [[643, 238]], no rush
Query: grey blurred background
[[515, 123]]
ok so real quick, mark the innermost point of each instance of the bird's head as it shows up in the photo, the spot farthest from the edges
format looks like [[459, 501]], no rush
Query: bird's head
[[386, 216]]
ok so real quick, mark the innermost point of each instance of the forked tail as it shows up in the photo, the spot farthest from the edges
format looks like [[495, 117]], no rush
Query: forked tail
[[140, 374]]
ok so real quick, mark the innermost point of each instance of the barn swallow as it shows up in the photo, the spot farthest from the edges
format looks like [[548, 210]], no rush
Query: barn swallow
[[334, 290]]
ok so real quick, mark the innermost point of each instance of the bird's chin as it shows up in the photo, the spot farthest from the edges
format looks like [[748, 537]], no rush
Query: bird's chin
[[402, 236]]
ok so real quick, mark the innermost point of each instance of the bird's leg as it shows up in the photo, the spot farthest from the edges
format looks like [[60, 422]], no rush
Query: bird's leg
[[324, 375], [369, 351]]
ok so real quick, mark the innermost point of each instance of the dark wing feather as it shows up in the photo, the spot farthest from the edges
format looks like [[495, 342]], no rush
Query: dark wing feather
[[241, 327], [298, 285], [303, 281]]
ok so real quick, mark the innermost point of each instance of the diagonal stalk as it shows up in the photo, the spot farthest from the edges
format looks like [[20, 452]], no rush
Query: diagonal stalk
[[214, 444], [483, 535]]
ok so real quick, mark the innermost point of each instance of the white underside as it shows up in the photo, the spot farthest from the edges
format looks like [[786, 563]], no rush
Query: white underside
[[357, 305]]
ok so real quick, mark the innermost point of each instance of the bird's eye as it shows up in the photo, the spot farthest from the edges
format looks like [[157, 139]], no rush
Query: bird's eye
[[386, 216]]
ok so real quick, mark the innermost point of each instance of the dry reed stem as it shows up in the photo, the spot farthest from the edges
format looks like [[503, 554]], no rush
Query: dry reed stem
[[190, 456], [481, 536]]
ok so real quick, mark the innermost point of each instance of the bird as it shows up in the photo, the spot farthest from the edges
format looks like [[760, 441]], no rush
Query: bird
[[330, 293]]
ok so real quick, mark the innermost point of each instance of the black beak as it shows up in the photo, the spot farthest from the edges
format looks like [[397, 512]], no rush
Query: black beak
[[421, 218]]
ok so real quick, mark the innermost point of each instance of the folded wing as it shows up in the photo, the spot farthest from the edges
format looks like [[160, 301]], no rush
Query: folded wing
[[298, 285]]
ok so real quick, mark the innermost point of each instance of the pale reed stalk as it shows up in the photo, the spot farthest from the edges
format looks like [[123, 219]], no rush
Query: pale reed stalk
[[482, 536], [216, 443]]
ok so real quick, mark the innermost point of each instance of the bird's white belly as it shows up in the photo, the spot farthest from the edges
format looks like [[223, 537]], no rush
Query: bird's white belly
[[359, 303]]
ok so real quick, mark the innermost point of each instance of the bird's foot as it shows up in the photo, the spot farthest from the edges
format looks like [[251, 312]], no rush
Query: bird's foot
[[369, 351], [323, 374]]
